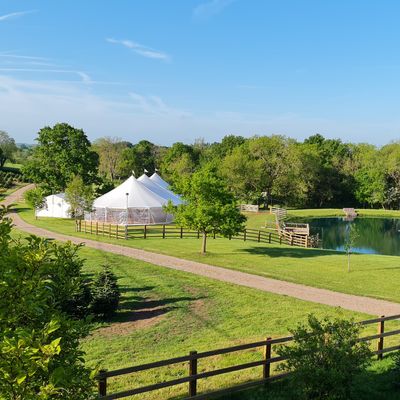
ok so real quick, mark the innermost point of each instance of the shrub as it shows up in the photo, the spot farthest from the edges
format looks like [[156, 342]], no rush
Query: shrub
[[39, 342], [105, 293], [325, 358]]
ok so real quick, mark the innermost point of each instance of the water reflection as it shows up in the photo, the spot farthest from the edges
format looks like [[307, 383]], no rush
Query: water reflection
[[376, 235]]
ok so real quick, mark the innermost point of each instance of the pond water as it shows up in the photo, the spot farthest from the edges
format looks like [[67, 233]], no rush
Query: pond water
[[376, 235]]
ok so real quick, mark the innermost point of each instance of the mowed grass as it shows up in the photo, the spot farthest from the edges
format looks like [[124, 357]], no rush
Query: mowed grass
[[165, 313], [371, 275]]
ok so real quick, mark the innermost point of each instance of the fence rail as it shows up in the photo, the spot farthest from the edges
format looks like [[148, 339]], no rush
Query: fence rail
[[194, 376], [173, 231]]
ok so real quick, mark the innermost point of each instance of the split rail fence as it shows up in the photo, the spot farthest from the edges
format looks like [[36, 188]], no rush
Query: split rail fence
[[173, 231], [193, 376]]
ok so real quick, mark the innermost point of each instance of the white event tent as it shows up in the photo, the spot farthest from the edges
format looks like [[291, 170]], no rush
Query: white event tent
[[160, 181], [55, 206], [161, 191], [131, 203]]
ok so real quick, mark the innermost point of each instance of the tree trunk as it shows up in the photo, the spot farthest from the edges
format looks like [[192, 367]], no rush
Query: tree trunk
[[348, 262], [204, 243]]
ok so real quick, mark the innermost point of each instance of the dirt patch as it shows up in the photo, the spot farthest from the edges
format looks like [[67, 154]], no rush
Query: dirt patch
[[130, 321]]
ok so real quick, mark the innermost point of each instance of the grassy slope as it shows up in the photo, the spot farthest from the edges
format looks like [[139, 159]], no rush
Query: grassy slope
[[165, 313], [371, 275]]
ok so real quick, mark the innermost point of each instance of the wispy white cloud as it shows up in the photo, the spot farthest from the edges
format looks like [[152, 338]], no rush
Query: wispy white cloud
[[140, 49], [156, 106], [15, 15], [83, 75], [21, 57], [210, 8]]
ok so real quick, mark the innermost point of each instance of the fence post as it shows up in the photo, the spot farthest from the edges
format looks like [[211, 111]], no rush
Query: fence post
[[267, 356], [181, 232], [244, 235], [163, 231], [291, 240], [259, 236], [381, 329], [214, 233], [102, 384], [145, 232], [97, 227], [103, 229], [270, 234], [193, 371], [91, 230], [116, 231], [126, 232], [84, 226], [280, 239], [198, 234], [306, 241], [109, 230]]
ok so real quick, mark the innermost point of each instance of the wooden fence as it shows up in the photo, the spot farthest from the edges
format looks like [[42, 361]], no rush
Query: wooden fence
[[173, 231], [249, 208], [193, 376]]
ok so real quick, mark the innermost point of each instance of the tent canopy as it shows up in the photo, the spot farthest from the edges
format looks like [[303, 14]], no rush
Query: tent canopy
[[130, 194], [160, 181], [55, 206], [159, 190]]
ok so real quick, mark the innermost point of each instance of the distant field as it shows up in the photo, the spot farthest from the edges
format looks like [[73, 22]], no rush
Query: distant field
[[166, 313], [371, 275]]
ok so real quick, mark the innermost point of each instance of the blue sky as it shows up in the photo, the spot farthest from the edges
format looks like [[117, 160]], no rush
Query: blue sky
[[178, 70]]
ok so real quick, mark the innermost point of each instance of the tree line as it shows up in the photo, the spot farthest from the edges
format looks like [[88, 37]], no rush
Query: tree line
[[316, 172]]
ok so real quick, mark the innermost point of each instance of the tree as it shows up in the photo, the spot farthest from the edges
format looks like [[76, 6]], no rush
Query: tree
[[7, 148], [105, 293], [208, 206], [325, 358], [242, 173], [179, 160], [141, 156], [350, 241], [39, 341], [35, 198], [110, 151], [79, 196], [62, 152]]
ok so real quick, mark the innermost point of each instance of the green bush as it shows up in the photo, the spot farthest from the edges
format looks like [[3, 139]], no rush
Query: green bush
[[324, 358], [39, 342], [105, 293]]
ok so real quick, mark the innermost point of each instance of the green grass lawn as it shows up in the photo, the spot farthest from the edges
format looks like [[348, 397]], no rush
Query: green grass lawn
[[371, 275], [165, 313]]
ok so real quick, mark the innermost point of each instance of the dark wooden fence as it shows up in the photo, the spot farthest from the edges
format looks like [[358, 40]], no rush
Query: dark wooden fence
[[173, 231], [194, 376]]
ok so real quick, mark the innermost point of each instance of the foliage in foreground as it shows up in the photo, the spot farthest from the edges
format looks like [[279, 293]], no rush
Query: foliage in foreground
[[39, 341], [325, 358]]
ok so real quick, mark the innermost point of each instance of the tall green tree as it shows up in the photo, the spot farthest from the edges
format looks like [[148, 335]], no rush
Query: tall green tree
[[141, 156], [179, 160], [62, 152], [7, 148], [208, 206], [110, 151], [79, 196]]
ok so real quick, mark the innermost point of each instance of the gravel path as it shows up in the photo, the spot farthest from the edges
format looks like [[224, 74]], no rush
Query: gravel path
[[350, 302]]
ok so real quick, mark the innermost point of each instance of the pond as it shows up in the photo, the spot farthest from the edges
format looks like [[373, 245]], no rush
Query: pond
[[376, 235]]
